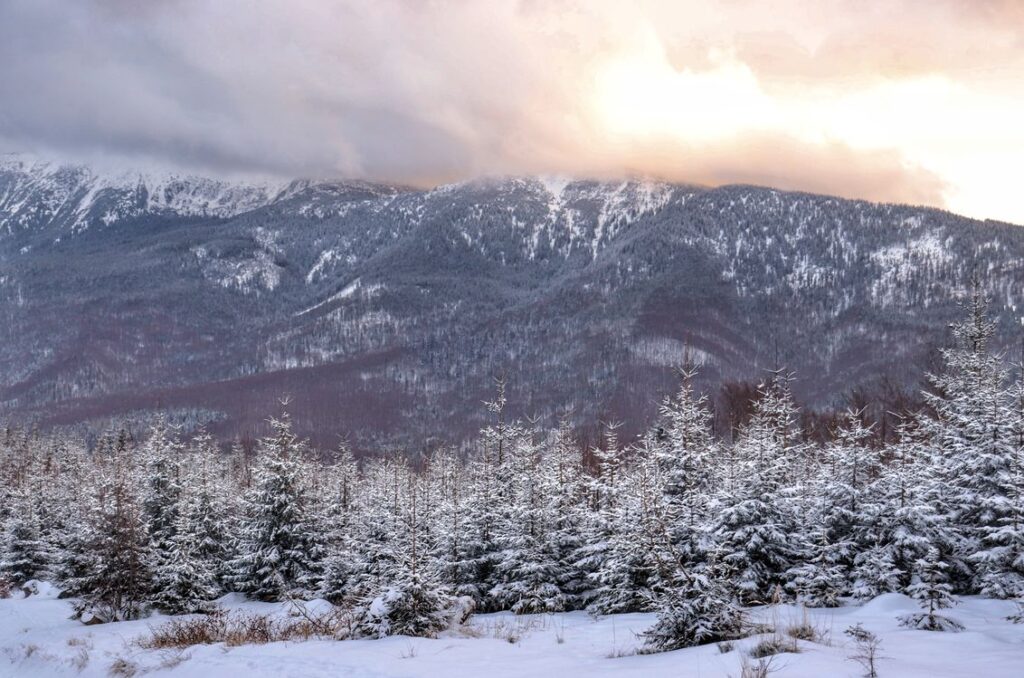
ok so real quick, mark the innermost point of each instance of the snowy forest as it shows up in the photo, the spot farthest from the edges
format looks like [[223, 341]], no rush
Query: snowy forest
[[678, 522]]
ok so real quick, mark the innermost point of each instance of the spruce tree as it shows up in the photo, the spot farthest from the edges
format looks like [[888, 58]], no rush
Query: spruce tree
[[185, 582], [413, 602], [341, 520], [25, 555], [277, 553], [1001, 559], [973, 444], [529, 571], [932, 591], [696, 608], [755, 524], [117, 580]]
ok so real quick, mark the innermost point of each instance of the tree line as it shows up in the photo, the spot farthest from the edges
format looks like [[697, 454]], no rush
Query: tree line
[[680, 521]]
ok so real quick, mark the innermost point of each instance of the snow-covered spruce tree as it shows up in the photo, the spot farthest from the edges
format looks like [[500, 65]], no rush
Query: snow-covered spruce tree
[[562, 470], [375, 548], [343, 483], [413, 603], [603, 496], [932, 591], [488, 509], [839, 522], [458, 542], [697, 607], [161, 498], [56, 497], [76, 561], [116, 580], [819, 580], [684, 453], [1001, 559], [209, 509], [24, 555], [904, 524], [631, 575], [755, 523], [185, 582], [529, 572], [875, 573], [973, 444], [161, 453], [277, 552], [65, 500], [852, 468]]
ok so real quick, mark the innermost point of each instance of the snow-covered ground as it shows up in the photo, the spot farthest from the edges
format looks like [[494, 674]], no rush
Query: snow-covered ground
[[37, 638]]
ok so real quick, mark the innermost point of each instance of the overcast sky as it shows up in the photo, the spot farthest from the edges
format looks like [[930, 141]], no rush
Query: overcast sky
[[917, 101]]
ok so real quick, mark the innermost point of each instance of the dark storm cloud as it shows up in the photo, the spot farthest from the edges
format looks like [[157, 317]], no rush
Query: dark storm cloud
[[423, 92]]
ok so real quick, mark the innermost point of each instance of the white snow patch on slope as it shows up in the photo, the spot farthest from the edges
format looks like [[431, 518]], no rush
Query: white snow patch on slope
[[326, 257], [347, 292]]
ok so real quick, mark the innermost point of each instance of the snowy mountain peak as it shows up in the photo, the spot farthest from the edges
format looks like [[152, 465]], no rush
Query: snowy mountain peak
[[36, 193]]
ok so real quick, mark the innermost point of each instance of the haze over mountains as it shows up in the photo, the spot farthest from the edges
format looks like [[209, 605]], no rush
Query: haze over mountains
[[385, 312]]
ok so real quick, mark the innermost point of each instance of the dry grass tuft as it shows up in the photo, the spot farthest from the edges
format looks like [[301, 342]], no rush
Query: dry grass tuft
[[241, 628]]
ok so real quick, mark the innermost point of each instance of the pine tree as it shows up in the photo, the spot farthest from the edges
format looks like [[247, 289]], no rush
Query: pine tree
[[933, 592], [341, 521], [697, 607], [161, 507], [375, 545], [603, 496], [819, 581], [754, 525], [904, 524], [529, 570], [25, 554], [684, 453], [209, 514], [564, 479], [184, 581], [973, 444], [116, 585], [631, 574], [277, 554], [489, 508], [413, 603], [1001, 558], [163, 487]]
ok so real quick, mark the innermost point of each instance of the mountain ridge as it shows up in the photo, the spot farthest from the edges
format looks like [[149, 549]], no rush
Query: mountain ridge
[[587, 292]]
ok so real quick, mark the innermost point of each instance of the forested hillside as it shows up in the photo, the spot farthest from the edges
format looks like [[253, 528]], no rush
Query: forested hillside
[[680, 522], [385, 313]]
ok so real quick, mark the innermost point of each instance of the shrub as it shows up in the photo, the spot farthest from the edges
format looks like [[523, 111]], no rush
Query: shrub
[[867, 645], [772, 646], [241, 628]]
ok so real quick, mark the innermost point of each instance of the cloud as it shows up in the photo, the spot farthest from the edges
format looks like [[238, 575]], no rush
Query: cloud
[[878, 100]]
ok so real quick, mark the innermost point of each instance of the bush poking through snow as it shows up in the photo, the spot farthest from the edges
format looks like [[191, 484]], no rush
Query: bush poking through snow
[[866, 646], [808, 630], [238, 628], [774, 645], [123, 668], [762, 669]]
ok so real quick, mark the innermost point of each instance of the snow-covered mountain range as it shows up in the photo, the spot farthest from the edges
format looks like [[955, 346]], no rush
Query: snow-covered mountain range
[[392, 308]]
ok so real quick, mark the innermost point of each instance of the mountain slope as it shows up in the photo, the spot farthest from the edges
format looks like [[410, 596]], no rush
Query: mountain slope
[[385, 312]]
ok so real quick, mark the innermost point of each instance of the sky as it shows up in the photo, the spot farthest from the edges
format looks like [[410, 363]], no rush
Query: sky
[[916, 101]]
